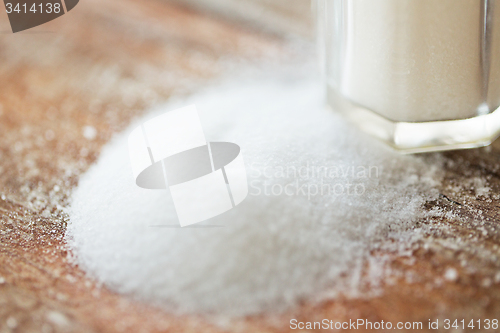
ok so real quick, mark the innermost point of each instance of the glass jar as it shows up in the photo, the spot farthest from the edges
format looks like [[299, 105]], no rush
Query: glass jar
[[421, 75]]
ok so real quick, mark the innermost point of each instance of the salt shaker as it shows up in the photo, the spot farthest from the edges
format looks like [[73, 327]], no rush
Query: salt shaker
[[421, 75]]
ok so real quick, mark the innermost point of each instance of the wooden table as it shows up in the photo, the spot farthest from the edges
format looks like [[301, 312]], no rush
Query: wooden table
[[106, 63]]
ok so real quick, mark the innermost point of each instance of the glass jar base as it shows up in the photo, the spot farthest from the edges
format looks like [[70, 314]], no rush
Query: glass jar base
[[420, 137]]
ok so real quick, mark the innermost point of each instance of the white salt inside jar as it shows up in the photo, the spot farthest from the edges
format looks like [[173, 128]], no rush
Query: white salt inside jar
[[416, 61]]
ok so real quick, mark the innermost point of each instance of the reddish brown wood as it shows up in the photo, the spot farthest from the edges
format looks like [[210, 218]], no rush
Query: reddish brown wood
[[103, 65]]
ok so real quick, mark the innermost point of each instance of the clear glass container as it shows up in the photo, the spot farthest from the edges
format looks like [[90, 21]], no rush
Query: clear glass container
[[421, 75]]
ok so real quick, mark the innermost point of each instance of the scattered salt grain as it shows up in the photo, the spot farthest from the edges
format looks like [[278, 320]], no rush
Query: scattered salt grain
[[486, 283], [497, 277], [274, 249], [89, 132], [480, 187], [451, 274], [11, 323], [2, 280], [50, 135], [18, 146], [84, 152]]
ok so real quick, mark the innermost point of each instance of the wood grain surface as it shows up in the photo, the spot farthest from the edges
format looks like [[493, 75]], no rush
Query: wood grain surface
[[106, 63]]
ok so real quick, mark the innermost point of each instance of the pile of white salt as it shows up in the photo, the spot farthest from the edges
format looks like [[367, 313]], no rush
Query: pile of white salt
[[276, 247]]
